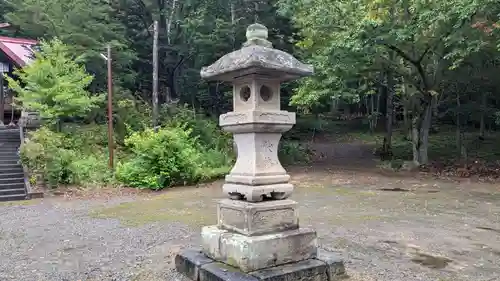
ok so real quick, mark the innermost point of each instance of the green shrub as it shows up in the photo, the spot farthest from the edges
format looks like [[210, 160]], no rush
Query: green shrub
[[89, 137], [293, 152], [64, 159], [171, 156], [205, 128], [91, 169]]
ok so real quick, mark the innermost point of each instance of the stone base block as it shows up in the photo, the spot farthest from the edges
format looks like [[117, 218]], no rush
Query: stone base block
[[257, 218], [250, 253], [326, 267], [258, 193], [189, 261]]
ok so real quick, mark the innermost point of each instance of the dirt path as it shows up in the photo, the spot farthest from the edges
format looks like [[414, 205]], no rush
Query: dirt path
[[353, 154], [432, 231]]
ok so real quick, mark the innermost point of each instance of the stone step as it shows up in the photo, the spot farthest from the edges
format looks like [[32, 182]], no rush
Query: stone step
[[13, 191], [7, 148], [10, 169], [15, 185], [9, 161], [13, 175], [14, 197], [9, 158], [9, 133], [10, 152], [19, 178], [2, 166], [7, 129], [10, 137]]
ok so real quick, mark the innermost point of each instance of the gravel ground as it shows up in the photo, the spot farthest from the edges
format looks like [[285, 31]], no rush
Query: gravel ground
[[434, 231]]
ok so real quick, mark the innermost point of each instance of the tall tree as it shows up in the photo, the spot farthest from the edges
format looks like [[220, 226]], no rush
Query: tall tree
[[55, 84], [86, 26], [346, 38]]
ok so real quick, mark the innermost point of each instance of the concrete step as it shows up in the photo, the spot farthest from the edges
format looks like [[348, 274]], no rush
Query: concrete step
[[12, 185], [14, 191], [7, 148], [11, 180], [14, 197], [9, 158], [8, 165], [9, 169], [13, 175], [9, 134], [10, 152], [9, 161]]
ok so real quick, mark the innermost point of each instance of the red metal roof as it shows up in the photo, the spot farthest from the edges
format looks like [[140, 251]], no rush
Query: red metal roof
[[17, 49]]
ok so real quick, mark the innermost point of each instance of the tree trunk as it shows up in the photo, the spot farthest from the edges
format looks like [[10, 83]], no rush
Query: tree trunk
[[59, 125], [169, 22], [233, 24], [406, 101], [387, 145], [155, 75], [420, 135], [482, 125], [406, 120], [458, 125], [377, 111], [370, 105]]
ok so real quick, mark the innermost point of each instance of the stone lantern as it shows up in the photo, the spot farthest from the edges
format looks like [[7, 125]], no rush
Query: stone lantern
[[256, 121], [257, 236]]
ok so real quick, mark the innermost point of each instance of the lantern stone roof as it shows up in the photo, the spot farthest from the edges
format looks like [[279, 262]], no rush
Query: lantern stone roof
[[257, 56], [18, 50]]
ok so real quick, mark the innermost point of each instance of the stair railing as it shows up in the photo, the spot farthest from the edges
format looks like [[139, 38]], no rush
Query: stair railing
[[27, 120]]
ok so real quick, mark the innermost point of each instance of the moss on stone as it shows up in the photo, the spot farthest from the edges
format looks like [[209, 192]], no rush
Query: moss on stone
[[227, 266]]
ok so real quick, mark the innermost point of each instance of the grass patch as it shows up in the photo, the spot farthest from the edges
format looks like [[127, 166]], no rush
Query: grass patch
[[20, 203], [162, 208]]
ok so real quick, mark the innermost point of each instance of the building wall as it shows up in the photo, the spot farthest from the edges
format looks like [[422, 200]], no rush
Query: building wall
[[8, 93]]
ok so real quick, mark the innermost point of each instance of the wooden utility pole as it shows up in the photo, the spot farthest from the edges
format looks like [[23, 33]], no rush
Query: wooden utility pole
[[110, 110], [155, 75]]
